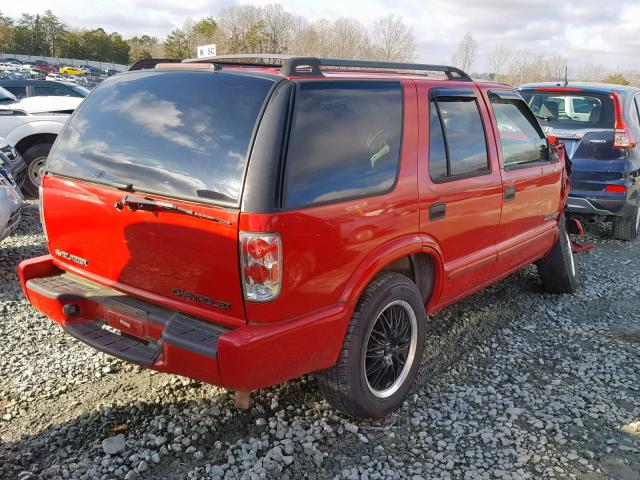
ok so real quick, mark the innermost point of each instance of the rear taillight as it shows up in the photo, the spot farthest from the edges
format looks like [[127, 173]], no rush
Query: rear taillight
[[261, 264], [616, 188], [622, 136]]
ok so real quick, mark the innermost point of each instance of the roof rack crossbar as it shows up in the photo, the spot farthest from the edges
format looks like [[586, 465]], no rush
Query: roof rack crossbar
[[297, 65]]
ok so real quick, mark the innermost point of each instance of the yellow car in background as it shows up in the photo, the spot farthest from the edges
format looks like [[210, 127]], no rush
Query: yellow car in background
[[72, 71]]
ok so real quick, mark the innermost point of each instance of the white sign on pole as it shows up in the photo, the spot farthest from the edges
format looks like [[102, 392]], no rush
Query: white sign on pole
[[207, 50]]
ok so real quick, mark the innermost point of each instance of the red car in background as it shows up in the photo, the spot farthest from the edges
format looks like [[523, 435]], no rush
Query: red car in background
[[44, 68]]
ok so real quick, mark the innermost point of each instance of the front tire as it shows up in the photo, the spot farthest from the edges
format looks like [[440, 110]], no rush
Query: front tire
[[382, 350], [558, 269], [627, 228], [35, 157]]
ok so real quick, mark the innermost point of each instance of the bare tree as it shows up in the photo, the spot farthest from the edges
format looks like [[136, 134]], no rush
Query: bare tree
[[350, 39], [466, 53], [271, 29], [393, 39], [279, 26], [499, 59], [315, 38], [528, 66], [239, 26], [633, 77], [591, 72]]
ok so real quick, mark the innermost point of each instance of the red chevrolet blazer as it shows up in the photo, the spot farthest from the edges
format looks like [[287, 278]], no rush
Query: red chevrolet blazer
[[244, 223]]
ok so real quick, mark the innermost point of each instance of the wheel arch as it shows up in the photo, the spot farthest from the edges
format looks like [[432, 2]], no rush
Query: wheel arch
[[35, 139], [410, 256], [27, 134]]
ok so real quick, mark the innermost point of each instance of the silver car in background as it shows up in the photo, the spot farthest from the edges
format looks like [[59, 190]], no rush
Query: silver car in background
[[10, 203]]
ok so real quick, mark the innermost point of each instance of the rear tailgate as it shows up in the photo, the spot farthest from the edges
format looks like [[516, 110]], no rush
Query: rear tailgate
[[184, 263], [143, 187], [591, 153]]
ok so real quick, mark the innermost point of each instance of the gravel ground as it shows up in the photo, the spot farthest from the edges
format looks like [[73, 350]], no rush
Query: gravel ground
[[515, 384]]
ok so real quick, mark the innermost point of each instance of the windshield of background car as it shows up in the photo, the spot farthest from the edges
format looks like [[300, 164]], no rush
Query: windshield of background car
[[81, 91], [182, 134], [565, 110]]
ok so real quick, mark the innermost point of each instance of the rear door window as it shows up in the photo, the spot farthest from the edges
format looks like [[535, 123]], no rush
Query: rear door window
[[183, 134], [344, 141], [462, 132], [521, 138]]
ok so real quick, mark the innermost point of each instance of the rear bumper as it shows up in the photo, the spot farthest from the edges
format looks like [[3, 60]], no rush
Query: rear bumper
[[608, 206], [245, 358]]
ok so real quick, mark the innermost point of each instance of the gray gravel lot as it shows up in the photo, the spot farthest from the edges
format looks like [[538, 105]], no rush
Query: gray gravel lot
[[515, 384]]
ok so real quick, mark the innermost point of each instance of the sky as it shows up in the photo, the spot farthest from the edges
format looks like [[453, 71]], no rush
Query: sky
[[584, 31]]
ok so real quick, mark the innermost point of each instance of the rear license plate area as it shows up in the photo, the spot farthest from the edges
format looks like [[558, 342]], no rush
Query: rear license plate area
[[127, 319]]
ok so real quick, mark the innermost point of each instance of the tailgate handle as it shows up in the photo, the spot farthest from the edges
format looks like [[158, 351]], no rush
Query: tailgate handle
[[437, 211], [509, 193]]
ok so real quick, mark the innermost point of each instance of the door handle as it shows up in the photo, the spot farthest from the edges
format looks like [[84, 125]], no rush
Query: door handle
[[509, 193], [437, 211]]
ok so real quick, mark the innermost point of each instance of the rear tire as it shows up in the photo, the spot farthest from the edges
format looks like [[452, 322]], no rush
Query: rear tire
[[381, 352], [558, 269], [627, 229], [35, 158]]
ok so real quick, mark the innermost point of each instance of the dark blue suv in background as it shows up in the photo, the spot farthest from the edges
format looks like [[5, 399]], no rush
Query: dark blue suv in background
[[599, 125]]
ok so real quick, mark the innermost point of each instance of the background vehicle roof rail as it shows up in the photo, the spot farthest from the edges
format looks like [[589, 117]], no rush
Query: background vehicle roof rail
[[311, 66]]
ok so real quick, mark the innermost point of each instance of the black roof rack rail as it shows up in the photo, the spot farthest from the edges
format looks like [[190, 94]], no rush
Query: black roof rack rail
[[311, 66], [150, 63], [452, 73]]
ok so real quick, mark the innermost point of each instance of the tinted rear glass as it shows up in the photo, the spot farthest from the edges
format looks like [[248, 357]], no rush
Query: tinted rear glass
[[467, 146], [345, 141], [521, 139], [49, 91], [19, 92], [183, 134], [437, 149], [571, 110]]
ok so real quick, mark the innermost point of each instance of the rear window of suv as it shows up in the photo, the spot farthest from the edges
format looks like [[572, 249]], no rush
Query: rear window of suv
[[345, 141], [182, 134], [565, 110]]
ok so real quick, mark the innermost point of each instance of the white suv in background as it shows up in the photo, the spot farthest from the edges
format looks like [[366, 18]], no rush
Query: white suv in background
[[31, 125]]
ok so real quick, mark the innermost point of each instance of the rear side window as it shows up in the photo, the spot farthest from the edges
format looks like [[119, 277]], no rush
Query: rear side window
[[19, 92], [48, 91], [569, 110], [184, 134], [344, 142], [521, 138], [437, 148], [462, 133]]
